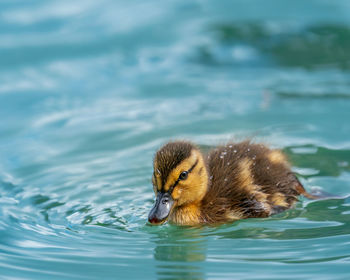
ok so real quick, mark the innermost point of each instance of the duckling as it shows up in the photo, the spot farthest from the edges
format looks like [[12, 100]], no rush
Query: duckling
[[231, 182]]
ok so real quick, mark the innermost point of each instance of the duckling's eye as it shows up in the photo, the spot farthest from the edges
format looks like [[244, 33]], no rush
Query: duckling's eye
[[183, 175]]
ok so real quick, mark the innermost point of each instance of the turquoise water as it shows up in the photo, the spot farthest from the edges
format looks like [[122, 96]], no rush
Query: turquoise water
[[89, 90]]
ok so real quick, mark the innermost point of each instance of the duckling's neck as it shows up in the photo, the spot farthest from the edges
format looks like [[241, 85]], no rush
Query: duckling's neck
[[189, 214]]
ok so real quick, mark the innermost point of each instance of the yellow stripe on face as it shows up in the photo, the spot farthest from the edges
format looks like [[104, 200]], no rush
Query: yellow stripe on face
[[185, 165], [158, 178], [154, 183]]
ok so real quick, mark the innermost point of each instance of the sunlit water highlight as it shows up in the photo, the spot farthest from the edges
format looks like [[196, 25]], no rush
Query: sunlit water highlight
[[89, 90]]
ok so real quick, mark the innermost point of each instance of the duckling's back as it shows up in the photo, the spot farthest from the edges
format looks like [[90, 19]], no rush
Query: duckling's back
[[248, 180]]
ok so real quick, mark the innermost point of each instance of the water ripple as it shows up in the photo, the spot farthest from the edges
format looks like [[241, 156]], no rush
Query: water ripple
[[88, 93]]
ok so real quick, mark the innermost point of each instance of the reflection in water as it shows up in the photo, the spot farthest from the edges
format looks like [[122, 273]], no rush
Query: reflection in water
[[179, 252]]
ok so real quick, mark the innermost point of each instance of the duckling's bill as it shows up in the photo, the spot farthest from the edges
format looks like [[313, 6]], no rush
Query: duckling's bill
[[161, 209]]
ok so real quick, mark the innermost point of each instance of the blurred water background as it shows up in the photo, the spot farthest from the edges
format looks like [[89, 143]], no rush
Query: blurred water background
[[90, 89]]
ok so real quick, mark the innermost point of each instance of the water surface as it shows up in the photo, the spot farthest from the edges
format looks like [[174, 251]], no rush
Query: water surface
[[90, 90]]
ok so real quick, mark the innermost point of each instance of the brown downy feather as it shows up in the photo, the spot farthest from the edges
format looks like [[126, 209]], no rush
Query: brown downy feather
[[248, 180]]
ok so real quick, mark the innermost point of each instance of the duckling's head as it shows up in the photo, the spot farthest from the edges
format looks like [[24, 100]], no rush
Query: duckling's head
[[179, 178]]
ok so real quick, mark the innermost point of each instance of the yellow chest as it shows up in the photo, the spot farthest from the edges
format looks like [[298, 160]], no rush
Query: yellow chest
[[186, 215]]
